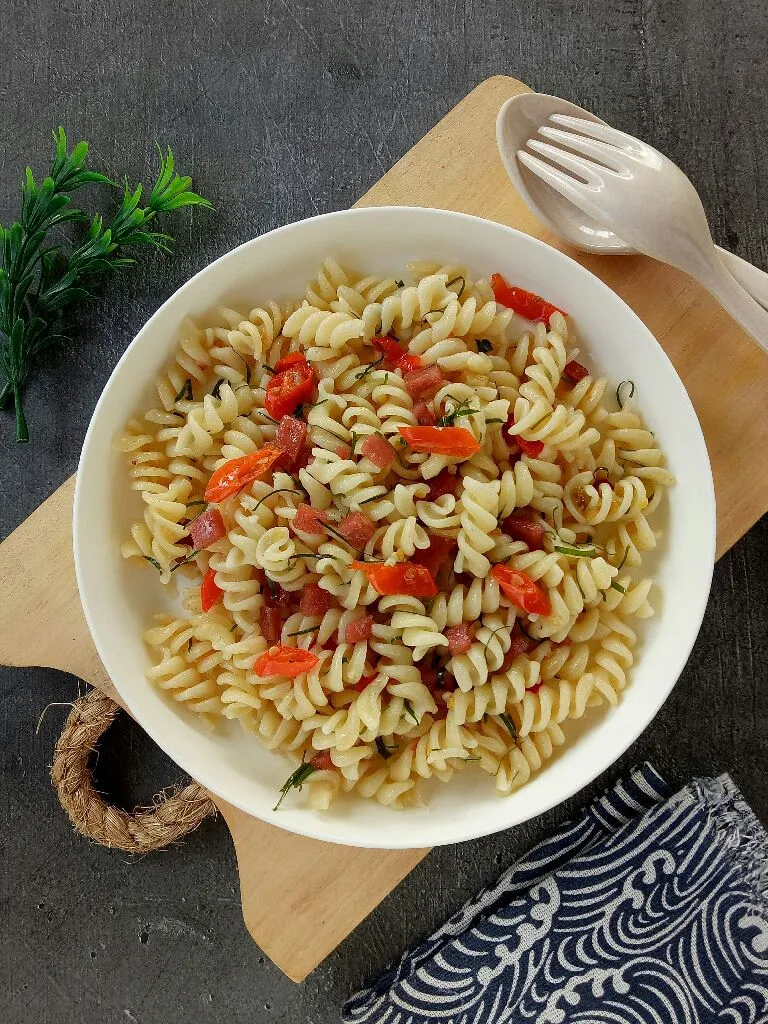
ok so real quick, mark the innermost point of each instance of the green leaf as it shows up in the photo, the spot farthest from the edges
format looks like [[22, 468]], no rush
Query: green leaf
[[295, 780]]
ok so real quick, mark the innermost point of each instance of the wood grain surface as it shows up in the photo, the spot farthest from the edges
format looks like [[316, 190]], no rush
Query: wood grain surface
[[280, 111], [456, 167]]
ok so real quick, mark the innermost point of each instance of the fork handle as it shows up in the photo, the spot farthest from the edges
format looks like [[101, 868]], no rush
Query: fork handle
[[712, 273], [749, 276]]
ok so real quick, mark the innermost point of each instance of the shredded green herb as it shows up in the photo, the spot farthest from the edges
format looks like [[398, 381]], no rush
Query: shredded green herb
[[270, 369], [154, 561], [508, 724], [185, 394], [623, 559], [277, 490], [383, 749], [370, 368], [184, 561], [484, 345], [295, 781], [621, 400], [304, 632], [409, 710], [200, 501], [580, 551], [336, 533], [460, 411], [463, 285], [261, 412], [618, 586], [400, 284], [216, 392]]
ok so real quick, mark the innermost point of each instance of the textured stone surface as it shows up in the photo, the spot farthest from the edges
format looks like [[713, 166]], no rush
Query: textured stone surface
[[281, 112]]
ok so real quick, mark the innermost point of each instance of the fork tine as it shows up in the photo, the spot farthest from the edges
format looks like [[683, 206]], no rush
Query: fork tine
[[603, 152], [562, 183], [586, 169], [596, 130]]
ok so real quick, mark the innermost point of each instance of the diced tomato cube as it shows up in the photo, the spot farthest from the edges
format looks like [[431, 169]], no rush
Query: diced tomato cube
[[408, 363], [379, 451], [358, 630], [207, 529], [445, 482], [532, 449], [521, 644], [357, 528], [425, 417], [424, 382], [459, 638], [343, 451], [322, 761], [303, 459], [526, 526], [575, 372], [291, 435], [428, 674], [389, 348], [309, 520], [314, 600], [271, 623], [362, 683], [433, 557]]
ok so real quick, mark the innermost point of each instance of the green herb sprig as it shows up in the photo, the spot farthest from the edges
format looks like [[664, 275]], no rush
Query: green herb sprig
[[295, 780], [38, 280]]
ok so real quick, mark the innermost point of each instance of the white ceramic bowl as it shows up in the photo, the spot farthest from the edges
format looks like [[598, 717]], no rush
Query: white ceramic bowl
[[119, 600]]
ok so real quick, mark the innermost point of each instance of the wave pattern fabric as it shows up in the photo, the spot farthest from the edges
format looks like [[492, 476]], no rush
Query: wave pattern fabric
[[649, 908]]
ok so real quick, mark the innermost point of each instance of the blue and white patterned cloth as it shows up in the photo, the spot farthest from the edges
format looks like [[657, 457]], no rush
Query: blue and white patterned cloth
[[649, 908]]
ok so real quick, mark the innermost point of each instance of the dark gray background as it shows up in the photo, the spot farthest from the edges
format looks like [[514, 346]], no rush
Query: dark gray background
[[280, 112]]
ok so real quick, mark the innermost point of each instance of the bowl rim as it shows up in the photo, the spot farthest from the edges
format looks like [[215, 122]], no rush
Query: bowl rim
[[596, 766]]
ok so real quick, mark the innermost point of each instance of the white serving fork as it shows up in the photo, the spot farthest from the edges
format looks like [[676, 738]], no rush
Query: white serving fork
[[636, 192]]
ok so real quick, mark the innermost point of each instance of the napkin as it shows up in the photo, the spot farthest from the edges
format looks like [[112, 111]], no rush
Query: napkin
[[650, 907]]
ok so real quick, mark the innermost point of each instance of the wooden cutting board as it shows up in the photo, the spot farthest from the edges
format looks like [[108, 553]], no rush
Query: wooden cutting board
[[454, 167]]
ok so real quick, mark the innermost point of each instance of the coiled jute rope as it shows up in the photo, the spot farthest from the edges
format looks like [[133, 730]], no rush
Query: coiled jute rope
[[173, 815]]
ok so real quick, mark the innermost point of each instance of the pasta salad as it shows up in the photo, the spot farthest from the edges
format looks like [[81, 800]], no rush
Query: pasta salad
[[409, 523]]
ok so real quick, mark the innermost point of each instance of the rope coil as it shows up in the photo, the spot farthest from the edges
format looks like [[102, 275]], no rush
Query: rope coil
[[174, 815]]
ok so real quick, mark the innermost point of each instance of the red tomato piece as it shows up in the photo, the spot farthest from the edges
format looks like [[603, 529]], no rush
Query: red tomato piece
[[524, 303], [270, 623], [379, 451], [520, 644], [404, 578], [389, 348], [422, 382], [292, 359], [289, 388], [533, 449], [309, 520], [359, 630], [459, 638], [444, 483], [408, 364], [238, 473], [438, 552], [210, 593], [282, 660], [574, 372], [291, 435], [428, 674], [303, 459], [343, 451], [322, 761], [525, 525], [314, 600], [207, 529], [361, 684], [425, 417], [357, 528], [521, 590], [456, 441]]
